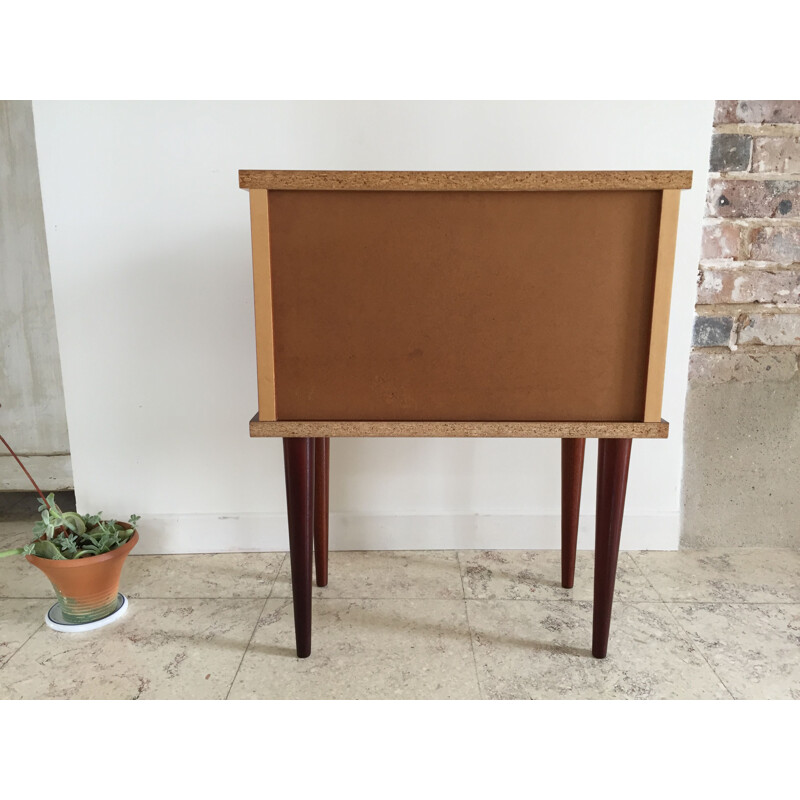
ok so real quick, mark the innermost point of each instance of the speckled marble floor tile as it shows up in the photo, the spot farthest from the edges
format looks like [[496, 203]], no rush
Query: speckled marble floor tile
[[731, 575], [536, 575], [542, 650], [14, 534], [394, 625], [18, 578], [234, 575], [161, 649], [362, 649], [755, 649], [19, 620], [384, 574]]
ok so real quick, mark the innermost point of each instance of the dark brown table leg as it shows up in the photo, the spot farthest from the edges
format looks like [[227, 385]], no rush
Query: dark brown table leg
[[613, 458], [298, 458], [572, 451], [321, 481]]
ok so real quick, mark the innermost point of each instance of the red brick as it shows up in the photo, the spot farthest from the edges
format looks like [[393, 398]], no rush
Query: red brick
[[781, 287], [753, 198], [725, 111], [757, 112], [720, 240], [779, 244], [776, 154]]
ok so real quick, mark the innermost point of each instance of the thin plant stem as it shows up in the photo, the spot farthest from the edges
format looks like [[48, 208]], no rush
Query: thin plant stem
[[30, 478]]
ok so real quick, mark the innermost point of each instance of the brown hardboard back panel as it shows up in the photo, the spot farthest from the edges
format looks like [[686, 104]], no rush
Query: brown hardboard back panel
[[462, 305]]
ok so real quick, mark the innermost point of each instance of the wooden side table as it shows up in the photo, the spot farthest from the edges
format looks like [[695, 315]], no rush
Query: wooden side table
[[461, 304]]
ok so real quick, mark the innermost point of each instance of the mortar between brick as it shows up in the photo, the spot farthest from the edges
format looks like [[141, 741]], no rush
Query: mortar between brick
[[785, 130], [751, 349], [754, 176], [733, 309], [734, 266], [710, 221]]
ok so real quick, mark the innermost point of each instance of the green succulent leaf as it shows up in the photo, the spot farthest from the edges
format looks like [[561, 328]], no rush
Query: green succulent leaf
[[74, 522], [66, 543], [46, 549], [70, 535]]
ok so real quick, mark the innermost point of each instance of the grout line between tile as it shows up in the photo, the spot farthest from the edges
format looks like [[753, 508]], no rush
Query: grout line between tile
[[644, 575], [246, 648], [461, 575], [192, 597], [469, 628], [322, 597], [565, 600], [8, 660], [277, 574], [688, 640], [255, 627], [684, 632], [27, 597], [691, 602]]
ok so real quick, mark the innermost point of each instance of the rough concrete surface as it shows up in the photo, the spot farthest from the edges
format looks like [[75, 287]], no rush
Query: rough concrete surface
[[741, 479], [33, 416], [749, 367]]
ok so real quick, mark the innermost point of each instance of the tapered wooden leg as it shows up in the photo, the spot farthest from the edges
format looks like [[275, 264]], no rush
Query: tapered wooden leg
[[572, 451], [321, 474], [612, 478], [298, 458]]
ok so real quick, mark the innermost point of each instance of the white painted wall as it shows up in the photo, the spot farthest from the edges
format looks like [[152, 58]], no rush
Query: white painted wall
[[149, 248]]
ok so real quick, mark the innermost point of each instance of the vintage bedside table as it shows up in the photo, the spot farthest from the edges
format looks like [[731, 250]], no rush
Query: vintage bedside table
[[430, 304]]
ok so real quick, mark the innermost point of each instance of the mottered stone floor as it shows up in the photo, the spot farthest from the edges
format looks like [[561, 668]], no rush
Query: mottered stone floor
[[698, 624]]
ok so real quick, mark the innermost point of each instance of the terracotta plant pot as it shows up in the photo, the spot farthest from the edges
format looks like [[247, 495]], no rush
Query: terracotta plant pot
[[87, 587]]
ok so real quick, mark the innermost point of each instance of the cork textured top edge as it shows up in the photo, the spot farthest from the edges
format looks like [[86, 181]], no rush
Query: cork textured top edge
[[409, 429], [313, 180]]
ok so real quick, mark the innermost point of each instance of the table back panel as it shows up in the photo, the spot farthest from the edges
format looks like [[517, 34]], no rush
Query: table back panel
[[462, 305]]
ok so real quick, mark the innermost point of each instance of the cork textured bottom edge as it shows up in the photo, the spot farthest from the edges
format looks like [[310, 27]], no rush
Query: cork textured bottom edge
[[530, 430]]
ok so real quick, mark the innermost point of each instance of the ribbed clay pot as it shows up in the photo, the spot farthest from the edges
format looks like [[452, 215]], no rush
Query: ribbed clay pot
[[87, 587]]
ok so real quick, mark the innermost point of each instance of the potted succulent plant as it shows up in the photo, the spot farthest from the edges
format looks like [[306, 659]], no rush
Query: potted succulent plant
[[82, 555]]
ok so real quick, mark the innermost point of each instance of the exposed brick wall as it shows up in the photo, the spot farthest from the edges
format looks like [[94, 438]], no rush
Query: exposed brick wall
[[748, 298]]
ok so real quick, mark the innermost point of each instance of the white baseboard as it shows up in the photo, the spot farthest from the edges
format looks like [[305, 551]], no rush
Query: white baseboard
[[211, 533]]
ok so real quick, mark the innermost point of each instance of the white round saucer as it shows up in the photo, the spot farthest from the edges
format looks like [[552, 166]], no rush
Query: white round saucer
[[55, 619]]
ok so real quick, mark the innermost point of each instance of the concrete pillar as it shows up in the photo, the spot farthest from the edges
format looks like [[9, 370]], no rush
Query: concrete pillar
[[32, 417]]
